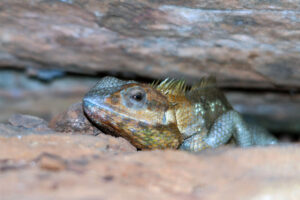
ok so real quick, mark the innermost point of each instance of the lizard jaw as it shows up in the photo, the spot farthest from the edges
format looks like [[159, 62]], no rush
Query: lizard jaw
[[98, 115]]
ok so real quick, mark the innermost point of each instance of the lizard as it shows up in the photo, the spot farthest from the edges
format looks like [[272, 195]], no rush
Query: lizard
[[168, 114]]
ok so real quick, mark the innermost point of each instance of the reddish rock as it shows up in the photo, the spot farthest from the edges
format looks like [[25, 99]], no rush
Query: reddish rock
[[73, 121], [66, 146], [48, 167], [50, 162], [244, 43]]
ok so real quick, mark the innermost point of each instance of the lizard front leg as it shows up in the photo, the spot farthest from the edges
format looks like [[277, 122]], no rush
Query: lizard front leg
[[229, 124]]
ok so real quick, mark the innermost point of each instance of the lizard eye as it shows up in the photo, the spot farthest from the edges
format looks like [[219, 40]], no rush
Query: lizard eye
[[138, 96], [134, 97]]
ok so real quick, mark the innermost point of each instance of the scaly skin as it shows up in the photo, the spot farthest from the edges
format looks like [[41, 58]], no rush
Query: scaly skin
[[167, 115]]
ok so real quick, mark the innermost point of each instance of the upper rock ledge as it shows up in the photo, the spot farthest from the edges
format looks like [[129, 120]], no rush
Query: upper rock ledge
[[244, 43]]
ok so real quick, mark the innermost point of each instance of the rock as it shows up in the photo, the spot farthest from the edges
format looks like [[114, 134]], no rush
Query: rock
[[73, 121], [29, 122], [51, 162], [31, 146], [49, 166], [7, 130], [20, 93], [21, 125], [274, 111], [246, 44]]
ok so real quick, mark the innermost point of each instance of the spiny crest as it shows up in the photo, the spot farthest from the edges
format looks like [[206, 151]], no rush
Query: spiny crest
[[170, 86], [205, 82], [179, 87]]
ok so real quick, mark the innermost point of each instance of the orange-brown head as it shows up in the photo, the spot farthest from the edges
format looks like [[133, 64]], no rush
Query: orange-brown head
[[135, 111]]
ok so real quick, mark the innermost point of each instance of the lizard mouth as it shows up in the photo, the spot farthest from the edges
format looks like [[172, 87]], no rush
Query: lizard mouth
[[98, 115], [92, 107], [95, 110]]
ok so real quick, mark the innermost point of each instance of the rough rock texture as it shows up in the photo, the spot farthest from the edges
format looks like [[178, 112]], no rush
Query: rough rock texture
[[275, 111], [21, 125], [36, 163], [20, 93], [244, 43], [73, 121], [102, 167], [29, 122]]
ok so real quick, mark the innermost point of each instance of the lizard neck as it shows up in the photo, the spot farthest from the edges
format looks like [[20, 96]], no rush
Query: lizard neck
[[189, 116]]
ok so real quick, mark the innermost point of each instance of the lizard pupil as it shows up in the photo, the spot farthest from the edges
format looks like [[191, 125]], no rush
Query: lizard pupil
[[137, 96]]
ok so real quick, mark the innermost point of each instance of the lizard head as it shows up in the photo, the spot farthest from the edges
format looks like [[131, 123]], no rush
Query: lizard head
[[135, 111]]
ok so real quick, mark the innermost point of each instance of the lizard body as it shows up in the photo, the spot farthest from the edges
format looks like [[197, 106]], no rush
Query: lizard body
[[168, 115]]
